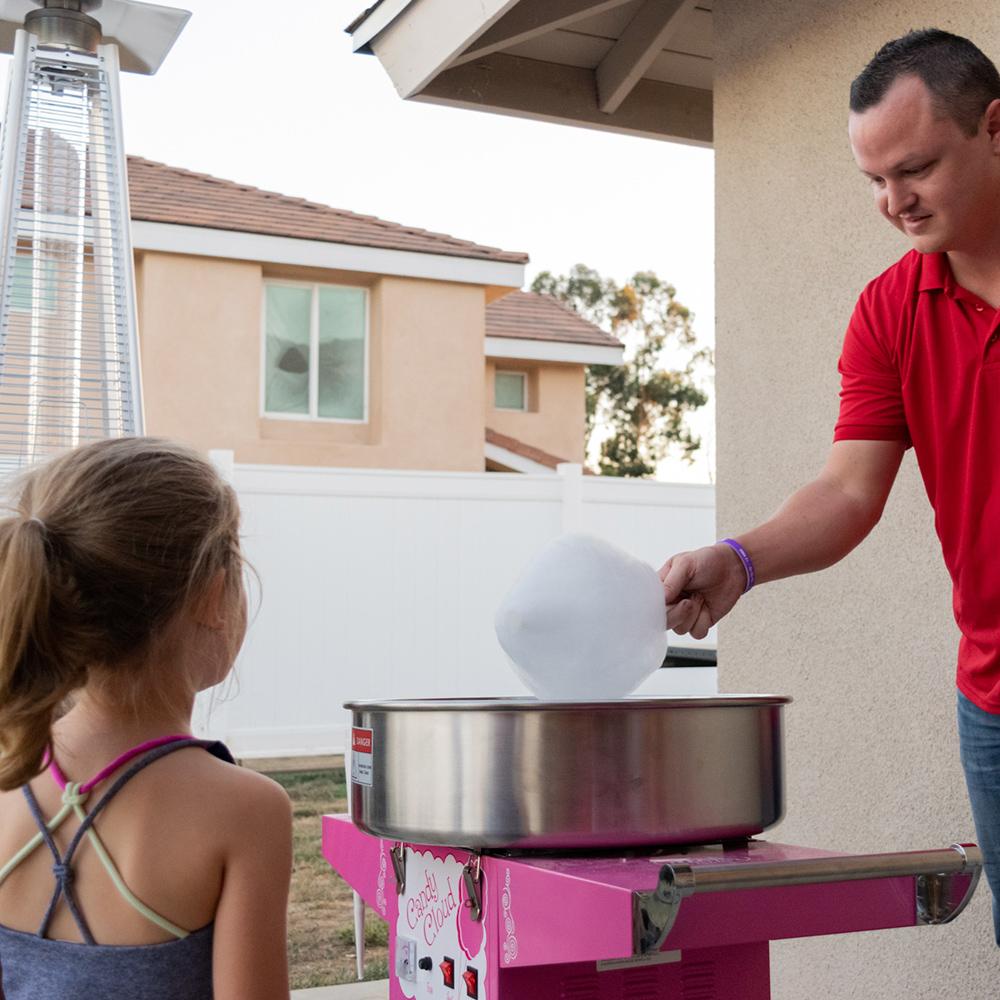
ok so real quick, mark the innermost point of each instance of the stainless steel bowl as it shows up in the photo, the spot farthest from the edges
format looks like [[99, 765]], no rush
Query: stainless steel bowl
[[524, 774]]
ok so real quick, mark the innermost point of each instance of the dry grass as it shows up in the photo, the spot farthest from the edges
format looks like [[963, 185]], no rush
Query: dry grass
[[321, 911]]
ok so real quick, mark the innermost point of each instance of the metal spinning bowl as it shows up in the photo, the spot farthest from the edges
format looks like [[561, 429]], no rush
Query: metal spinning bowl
[[526, 775]]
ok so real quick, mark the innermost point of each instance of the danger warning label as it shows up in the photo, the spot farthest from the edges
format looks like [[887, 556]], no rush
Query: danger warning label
[[362, 755]]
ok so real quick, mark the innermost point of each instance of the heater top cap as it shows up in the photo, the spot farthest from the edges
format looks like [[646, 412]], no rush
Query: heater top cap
[[143, 32]]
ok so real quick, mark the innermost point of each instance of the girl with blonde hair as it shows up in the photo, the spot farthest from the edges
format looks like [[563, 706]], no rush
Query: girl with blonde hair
[[135, 861]]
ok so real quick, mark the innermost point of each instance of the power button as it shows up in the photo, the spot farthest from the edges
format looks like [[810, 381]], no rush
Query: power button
[[471, 977], [447, 968]]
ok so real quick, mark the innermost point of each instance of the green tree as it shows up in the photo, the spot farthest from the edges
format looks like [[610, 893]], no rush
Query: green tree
[[638, 408]]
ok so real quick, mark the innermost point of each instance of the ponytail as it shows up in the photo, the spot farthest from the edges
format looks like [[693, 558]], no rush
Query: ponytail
[[104, 547], [33, 681]]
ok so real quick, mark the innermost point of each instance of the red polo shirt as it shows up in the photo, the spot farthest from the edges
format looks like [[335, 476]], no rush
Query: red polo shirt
[[921, 364]]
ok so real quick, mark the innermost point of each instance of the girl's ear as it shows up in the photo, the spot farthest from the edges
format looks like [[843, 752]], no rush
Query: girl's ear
[[210, 607]]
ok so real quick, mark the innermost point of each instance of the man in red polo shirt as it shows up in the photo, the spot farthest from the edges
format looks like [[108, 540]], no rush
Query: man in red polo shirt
[[920, 367]]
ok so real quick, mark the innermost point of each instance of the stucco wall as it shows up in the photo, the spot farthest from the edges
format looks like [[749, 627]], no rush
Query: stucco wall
[[867, 649], [556, 414], [200, 331], [199, 338]]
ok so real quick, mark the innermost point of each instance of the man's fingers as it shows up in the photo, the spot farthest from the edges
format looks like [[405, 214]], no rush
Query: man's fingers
[[676, 575], [683, 615], [703, 623]]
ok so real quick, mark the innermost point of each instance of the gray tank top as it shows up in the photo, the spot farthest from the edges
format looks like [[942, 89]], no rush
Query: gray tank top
[[34, 967]]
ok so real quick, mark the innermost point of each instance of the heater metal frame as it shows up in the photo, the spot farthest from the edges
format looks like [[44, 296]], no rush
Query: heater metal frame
[[108, 234]]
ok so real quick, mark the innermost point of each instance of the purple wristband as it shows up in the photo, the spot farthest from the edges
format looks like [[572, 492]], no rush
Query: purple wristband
[[744, 558]]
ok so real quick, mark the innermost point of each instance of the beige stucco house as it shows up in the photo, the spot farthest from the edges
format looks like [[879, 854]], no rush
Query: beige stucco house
[[290, 332], [868, 648]]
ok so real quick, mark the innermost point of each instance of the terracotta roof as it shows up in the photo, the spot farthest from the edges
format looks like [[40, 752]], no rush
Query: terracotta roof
[[529, 316], [159, 193], [526, 450]]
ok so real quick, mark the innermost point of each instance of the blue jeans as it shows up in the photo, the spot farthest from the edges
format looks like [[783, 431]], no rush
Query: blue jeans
[[979, 741]]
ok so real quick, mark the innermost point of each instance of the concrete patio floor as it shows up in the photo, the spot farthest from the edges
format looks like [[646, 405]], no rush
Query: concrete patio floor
[[352, 991]]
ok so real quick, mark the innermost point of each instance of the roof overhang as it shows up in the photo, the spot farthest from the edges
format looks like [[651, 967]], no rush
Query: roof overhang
[[523, 349], [642, 67], [516, 463], [204, 242]]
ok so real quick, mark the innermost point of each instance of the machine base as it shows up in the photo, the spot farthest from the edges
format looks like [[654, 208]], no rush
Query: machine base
[[741, 972], [688, 924]]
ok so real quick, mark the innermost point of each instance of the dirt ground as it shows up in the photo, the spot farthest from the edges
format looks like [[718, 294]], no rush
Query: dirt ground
[[321, 911]]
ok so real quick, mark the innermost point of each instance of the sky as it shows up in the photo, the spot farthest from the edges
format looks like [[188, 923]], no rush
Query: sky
[[279, 101]]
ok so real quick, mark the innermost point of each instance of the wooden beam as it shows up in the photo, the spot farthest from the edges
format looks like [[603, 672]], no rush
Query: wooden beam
[[376, 19], [428, 34], [641, 42], [529, 88], [530, 19]]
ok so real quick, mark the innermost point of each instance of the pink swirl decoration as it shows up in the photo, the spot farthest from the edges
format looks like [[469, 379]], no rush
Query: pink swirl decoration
[[380, 902], [510, 939]]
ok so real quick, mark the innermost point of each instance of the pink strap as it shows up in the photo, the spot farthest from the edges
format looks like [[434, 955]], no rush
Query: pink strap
[[60, 778]]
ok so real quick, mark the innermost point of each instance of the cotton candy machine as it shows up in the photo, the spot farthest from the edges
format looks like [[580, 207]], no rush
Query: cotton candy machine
[[524, 774], [525, 850]]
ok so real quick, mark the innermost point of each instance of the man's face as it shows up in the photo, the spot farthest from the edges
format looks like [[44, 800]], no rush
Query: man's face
[[933, 182]]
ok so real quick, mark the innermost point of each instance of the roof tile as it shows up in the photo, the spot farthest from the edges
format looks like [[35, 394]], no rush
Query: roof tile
[[530, 316], [160, 193], [522, 448], [526, 450]]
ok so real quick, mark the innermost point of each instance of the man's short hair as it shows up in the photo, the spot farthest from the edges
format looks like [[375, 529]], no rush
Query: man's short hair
[[962, 80]]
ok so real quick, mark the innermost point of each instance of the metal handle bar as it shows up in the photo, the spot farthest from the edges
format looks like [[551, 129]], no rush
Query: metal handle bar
[[941, 891], [687, 879]]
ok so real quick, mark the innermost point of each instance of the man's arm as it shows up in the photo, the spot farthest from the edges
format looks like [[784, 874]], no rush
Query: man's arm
[[816, 527]]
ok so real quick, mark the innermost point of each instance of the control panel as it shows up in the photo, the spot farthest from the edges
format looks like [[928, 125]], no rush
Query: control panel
[[440, 935]]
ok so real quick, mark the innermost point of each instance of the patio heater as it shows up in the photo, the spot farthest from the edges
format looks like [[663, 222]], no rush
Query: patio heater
[[69, 353]]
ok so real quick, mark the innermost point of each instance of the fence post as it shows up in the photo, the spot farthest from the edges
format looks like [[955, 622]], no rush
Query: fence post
[[571, 474]]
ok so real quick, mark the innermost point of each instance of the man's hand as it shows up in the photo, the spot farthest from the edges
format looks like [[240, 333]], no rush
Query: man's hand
[[813, 528], [702, 587]]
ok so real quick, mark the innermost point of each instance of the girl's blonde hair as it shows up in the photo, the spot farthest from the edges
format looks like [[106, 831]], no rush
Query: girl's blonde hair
[[102, 548]]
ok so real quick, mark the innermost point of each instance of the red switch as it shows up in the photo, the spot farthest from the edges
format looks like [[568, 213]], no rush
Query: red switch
[[447, 968], [471, 978]]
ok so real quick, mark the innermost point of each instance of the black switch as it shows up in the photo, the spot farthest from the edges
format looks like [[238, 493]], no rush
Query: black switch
[[426, 963]]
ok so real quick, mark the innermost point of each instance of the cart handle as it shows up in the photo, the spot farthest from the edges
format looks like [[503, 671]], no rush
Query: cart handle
[[942, 891]]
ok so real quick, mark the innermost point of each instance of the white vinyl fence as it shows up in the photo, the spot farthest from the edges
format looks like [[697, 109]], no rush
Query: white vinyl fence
[[382, 584]]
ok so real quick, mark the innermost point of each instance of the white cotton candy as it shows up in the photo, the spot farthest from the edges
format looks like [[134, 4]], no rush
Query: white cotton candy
[[584, 622]]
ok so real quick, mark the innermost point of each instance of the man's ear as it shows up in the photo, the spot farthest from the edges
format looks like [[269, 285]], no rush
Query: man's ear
[[991, 120], [209, 608]]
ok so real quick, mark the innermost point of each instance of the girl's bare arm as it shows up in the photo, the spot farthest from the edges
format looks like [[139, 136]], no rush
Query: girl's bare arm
[[250, 958]]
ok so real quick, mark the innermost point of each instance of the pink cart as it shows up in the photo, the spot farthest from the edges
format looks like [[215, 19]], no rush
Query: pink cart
[[676, 924]]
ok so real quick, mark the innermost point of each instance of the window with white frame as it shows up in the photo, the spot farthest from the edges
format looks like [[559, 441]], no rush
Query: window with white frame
[[30, 273], [510, 391], [315, 351]]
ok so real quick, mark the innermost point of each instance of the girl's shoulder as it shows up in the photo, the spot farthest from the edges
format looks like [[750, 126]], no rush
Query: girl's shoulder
[[189, 798], [193, 778]]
